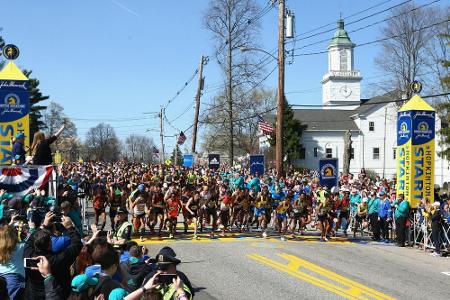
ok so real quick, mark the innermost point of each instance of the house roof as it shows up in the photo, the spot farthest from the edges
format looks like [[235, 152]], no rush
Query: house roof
[[380, 100], [326, 119]]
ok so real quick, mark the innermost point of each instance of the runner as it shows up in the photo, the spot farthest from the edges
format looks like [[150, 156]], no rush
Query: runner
[[99, 203], [173, 209], [192, 208]]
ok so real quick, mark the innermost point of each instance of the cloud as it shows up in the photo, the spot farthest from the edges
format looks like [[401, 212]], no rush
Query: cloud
[[126, 8]]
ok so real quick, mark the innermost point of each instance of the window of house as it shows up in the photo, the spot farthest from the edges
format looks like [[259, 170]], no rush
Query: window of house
[[302, 153], [329, 153], [394, 153], [352, 153], [371, 126], [376, 153], [316, 152]]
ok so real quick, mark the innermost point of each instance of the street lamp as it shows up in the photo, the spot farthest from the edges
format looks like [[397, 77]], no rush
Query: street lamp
[[246, 49]]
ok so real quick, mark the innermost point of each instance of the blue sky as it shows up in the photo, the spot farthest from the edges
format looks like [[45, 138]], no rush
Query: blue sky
[[113, 60]]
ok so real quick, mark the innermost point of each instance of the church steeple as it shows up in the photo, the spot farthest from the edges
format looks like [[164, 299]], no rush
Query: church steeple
[[340, 36], [341, 84]]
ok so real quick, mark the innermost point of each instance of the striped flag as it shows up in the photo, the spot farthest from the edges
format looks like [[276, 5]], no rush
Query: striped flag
[[265, 127], [181, 138], [20, 180]]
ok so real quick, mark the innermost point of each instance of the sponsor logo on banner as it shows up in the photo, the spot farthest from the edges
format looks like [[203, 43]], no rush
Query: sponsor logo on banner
[[214, 161], [328, 172], [257, 164], [415, 155]]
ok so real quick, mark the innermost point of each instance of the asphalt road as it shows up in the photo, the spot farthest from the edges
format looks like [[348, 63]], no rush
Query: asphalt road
[[256, 268], [250, 267]]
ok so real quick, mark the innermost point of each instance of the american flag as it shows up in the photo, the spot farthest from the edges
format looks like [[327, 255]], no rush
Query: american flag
[[181, 138], [265, 127]]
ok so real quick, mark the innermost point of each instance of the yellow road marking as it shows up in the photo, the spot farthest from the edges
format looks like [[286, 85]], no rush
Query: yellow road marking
[[336, 283]]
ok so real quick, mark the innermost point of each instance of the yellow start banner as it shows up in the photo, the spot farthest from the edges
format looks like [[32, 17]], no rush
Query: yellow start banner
[[415, 148], [14, 110]]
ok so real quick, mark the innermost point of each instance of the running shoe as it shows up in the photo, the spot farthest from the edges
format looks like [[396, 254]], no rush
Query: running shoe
[[436, 254], [283, 238], [264, 235], [170, 236]]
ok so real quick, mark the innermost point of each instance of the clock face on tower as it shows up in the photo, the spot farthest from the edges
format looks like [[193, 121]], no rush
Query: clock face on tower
[[345, 91]]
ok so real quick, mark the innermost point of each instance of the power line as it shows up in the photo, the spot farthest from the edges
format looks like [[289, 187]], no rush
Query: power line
[[379, 40], [370, 25], [353, 22], [181, 89]]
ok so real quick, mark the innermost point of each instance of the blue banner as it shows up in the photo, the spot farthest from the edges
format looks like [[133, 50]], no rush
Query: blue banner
[[328, 169], [188, 160], [257, 164]]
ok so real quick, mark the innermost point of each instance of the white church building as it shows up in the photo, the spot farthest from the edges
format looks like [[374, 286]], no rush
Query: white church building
[[372, 122]]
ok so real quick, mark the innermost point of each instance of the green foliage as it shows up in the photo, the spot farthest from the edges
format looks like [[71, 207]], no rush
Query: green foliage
[[36, 110], [292, 133], [179, 161]]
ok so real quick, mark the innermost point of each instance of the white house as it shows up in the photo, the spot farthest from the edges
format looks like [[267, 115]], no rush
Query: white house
[[372, 122]]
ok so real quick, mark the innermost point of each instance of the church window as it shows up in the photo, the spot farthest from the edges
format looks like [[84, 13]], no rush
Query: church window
[[371, 126], [352, 153], [329, 153], [344, 60], [316, 152], [394, 153], [376, 153]]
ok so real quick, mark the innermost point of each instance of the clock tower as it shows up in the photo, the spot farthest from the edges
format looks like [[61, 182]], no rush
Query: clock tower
[[341, 85]]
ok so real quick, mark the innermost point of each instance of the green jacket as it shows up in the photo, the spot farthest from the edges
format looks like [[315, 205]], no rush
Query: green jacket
[[170, 292], [373, 205], [402, 210]]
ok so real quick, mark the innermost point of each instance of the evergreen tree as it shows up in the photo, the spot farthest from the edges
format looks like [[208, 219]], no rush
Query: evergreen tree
[[2, 44], [36, 96], [179, 161], [292, 133], [444, 109]]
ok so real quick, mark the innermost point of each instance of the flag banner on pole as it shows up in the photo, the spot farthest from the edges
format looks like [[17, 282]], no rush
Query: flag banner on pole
[[257, 164], [214, 161], [328, 170], [188, 160], [264, 126], [181, 138], [20, 180]]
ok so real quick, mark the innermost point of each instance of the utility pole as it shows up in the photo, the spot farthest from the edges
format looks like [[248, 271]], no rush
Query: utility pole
[[161, 117], [197, 102], [280, 94], [230, 89]]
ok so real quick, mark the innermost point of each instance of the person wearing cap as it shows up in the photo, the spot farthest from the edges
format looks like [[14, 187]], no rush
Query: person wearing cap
[[361, 215], [83, 287], [18, 149], [373, 206], [436, 227], [123, 232], [384, 214], [401, 215], [167, 264]]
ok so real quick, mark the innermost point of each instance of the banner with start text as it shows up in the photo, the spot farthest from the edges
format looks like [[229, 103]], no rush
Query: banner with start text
[[416, 151]]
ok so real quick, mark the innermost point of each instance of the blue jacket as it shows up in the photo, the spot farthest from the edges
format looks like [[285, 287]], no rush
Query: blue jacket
[[384, 210], [18, 152]]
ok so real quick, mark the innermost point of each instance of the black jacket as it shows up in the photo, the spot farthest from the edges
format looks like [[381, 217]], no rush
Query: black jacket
[[53, 291], [60, 265], [133, 274], [43, 154]]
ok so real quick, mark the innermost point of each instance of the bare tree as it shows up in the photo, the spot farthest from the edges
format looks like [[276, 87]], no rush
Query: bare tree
[[246, 128], [54, 118], [404, 52], [102, 143], [139, 148], [233, 24]]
